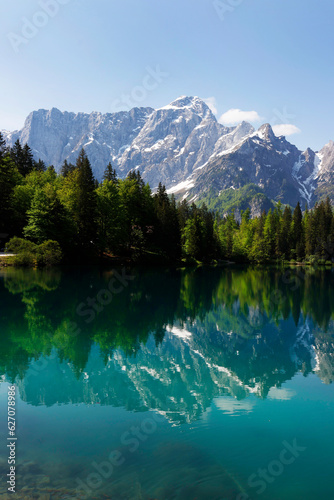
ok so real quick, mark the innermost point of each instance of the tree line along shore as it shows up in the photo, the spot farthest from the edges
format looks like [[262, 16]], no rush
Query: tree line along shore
[[48, 218]]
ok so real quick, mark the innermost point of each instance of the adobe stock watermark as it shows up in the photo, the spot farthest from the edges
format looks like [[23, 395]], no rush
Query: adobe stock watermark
[[31, 27], [282, 116], [224, 7], [150, 82], [103, 471], [263, 477]]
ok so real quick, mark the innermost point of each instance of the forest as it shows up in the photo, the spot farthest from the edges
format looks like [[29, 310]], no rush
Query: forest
[[47, 217]]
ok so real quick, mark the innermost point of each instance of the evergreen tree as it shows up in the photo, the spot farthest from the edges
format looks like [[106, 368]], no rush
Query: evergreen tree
[[86, 204], [297, 235], [66, 168], [110, 174], [166, 227], [284, 234], [16, 154], [23, 158], [9, 178], [39, 166], [110, 217], [137, 206], [3, 147]]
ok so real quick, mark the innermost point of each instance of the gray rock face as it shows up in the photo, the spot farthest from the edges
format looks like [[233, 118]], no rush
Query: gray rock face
[[283, 172], [323, 183], [183, 146], [176, 140], [165, 145], [55, 136]]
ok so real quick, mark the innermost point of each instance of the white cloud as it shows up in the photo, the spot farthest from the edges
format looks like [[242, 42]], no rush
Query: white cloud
[[235, 116], [234, 407], [212, 103], [285, 129], [281, 394]]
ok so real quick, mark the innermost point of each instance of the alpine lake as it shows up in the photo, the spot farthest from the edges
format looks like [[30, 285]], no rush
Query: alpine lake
[[168, 384]]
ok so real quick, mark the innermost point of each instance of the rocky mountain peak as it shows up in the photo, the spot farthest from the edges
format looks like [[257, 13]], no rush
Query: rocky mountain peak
[[193, 104], [266, 133]]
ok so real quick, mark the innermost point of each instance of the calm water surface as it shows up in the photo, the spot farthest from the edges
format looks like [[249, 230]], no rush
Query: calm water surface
[[184, 384]]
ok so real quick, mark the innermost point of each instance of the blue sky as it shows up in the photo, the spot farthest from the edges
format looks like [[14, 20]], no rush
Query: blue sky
[[270, 58]]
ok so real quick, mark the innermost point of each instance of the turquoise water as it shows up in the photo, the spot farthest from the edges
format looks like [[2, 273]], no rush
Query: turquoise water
[[182, 384]]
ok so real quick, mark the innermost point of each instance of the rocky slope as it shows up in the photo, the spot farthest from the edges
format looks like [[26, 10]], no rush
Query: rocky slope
[[272, 163]]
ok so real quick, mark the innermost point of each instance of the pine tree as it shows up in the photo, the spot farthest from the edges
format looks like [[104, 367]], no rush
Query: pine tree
[[297, 236], [308, 224], [9, 178], [137, 206], [166, 235], [110, 174], [110, 217], [66, 168], [39, 166], [86, 209], [23, 158], [284, 234], [269, 233], [3, 147], [16, 154]]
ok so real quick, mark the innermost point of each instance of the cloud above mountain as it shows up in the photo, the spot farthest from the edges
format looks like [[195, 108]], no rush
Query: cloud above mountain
[[285, 129], [235, 116]]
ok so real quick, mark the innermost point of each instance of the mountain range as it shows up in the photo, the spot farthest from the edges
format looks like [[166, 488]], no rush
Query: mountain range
[[183, 146]]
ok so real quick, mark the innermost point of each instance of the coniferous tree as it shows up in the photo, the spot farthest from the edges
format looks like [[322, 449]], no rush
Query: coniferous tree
[[27, 161], [166, 227], [66, 168], [9, 178], [297, 236], [3, 147], [110, 217], [137, 206], [86, 208], [110, 174], [308, 223], [16, 154], [23, 158], [284, 234], [39, 166]]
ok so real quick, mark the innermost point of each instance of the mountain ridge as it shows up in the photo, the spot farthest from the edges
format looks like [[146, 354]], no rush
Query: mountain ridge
[[183, 146]]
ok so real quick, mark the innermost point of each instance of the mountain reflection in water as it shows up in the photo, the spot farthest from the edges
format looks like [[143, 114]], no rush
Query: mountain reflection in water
[[171, 341]]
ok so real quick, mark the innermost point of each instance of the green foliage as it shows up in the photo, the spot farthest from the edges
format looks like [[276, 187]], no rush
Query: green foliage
[[24, 259], [49, 253], [19, 245], [9, 179], [47, 218], [238, 199], [110, 217], [28, 254]]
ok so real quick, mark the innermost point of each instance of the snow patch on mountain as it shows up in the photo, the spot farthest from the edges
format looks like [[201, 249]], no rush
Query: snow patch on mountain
[[307, 185]]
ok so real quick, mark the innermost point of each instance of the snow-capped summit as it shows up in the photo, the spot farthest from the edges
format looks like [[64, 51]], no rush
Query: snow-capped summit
[[194, 104]]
